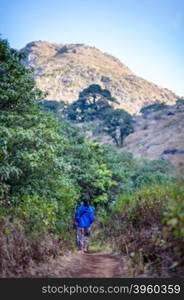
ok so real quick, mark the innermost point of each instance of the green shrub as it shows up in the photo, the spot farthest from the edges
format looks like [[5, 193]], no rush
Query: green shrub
[[173, 222], [148, 227], [153, 107], [180, 101]]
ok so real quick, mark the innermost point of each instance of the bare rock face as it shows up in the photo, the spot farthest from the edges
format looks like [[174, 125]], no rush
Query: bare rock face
[[64, 70]]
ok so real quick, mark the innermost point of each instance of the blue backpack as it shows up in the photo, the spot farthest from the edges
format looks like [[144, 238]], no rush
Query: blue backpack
[[84, 216]]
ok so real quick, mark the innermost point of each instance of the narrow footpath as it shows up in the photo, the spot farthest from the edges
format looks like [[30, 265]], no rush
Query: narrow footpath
[[89, 265]]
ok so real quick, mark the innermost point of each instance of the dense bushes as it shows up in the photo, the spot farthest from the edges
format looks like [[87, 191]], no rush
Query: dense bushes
[[37, 194], [131, 174], [180, 101], [47, 166], [35, 181], [148, 227], [173, 222], [153, 107], [17, 87]]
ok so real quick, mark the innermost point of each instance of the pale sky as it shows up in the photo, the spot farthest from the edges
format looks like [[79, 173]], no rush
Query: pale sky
[[146, 35]]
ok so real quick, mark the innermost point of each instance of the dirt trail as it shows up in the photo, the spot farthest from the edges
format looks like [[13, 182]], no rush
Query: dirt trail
[[92, 265], [99, 265]]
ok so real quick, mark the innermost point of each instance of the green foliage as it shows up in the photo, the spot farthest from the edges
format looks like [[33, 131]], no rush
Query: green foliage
[[148, 227], [173, 222], [180, 101], [89, 170], [35, 178], [131, 174], [153, 107], [17, 87], [94, 103], [53, 105], [37, 194], [152, 172], [47, 167], [32, 163], [118, 124]]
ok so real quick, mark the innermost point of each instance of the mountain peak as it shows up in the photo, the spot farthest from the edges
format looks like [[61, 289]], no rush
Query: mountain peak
[[63, 70]]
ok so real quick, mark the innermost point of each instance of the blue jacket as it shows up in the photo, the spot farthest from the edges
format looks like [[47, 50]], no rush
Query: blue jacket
[[84, 216]]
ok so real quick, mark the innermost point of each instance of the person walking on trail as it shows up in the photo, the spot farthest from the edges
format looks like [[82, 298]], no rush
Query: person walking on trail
[[84, 217]]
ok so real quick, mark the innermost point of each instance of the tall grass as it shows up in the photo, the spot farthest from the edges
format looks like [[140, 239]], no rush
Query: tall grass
[[21, 253]]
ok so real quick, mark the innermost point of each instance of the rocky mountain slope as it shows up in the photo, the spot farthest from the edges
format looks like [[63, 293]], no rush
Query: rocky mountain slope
[[64, 70], [159, 134]]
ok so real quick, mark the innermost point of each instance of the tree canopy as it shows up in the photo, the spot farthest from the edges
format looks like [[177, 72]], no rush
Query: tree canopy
[[95, 103]]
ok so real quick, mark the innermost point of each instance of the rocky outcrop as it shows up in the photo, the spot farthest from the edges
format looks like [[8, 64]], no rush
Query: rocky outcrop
[[64, 70]]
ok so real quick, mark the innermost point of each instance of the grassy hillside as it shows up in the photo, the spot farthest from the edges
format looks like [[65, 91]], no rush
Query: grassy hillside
[[158, 133]]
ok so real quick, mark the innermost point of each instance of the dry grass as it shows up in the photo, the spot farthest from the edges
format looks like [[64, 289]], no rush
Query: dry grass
[[20, 255], [152, 137]]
